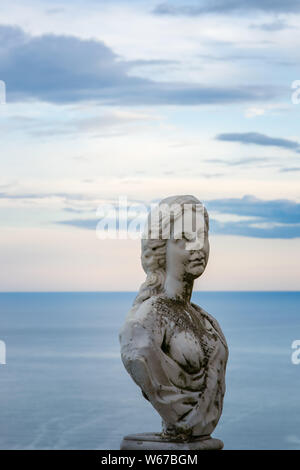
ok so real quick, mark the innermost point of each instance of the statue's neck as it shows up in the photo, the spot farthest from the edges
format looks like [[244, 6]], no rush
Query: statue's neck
[[178, 289]]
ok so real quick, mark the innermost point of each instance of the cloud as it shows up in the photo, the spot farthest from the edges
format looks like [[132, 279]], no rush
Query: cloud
[[254, 112], [133, 224], [28, 196], [66, 69], [201, 7], [89, 224], [290, 169], [54, 11], [240, 162], [277, 25], [275, 211], [267, 219], [256, 230], [104, 123], [259, 139]]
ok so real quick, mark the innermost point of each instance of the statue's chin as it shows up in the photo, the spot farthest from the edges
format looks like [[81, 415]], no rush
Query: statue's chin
[[195, 271]]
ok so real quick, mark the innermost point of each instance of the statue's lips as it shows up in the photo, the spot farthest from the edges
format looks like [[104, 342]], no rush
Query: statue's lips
[[197, 261]]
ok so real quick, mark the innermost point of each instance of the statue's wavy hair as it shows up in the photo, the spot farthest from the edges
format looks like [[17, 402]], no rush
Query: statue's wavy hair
[[154, 249]]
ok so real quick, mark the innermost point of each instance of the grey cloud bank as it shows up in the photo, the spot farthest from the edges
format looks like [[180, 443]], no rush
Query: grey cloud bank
[[256, 138], [290, 169], [66, 69], [277, 210], [241, 162], [202, 7], [277, 25]]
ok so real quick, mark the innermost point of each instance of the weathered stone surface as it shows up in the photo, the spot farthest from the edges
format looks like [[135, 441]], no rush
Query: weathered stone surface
[[174, 350], [154, 441]]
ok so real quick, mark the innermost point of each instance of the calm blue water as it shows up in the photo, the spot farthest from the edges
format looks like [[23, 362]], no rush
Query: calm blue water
[[64, 386]]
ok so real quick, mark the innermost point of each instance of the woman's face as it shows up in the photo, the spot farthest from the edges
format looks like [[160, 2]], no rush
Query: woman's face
[[188, 256]]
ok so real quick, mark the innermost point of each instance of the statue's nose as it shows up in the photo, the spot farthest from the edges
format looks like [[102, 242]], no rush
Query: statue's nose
[[196, 245], [195, 254]]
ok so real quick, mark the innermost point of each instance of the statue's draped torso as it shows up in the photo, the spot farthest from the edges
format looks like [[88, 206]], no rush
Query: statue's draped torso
[[177, 354]]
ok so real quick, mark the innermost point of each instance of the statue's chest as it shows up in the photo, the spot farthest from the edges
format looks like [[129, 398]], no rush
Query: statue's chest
[[192, 341]]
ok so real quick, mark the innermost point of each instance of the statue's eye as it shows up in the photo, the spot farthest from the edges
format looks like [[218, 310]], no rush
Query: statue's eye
[[187, 237], [183, 238]]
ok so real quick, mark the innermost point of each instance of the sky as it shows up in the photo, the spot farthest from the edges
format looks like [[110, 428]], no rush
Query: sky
[[144, 100]]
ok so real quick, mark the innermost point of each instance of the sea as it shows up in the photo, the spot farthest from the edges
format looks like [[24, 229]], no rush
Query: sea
[[64, 386]]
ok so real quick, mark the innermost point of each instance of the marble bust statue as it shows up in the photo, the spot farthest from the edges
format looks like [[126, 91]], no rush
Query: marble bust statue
[[173, 349]]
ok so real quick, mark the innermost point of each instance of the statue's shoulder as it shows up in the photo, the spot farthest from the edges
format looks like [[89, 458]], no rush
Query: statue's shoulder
[[143, 318], [214, 323], [147, 311], [152, 314]]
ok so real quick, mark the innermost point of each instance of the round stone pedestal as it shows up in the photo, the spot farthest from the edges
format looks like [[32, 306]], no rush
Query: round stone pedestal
[[155, 441]]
